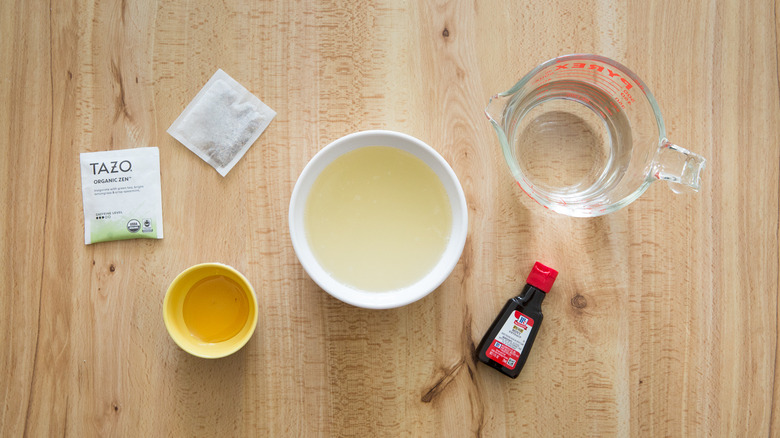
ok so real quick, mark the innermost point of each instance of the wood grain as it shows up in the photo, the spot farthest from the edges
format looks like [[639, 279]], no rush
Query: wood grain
[[663, 322]]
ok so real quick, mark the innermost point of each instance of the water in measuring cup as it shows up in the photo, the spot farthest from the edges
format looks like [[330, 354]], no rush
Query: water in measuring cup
[[571, 141]]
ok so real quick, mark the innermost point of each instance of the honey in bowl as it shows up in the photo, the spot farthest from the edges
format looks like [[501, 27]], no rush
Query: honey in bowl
[[378, 218], [215, 309]]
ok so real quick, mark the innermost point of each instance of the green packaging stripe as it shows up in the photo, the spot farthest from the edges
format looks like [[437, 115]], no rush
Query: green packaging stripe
[[119, 229]]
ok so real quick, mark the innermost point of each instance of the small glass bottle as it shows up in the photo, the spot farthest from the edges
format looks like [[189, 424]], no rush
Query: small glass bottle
[[507, 344]]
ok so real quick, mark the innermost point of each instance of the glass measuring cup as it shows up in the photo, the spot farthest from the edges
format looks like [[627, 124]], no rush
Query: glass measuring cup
[[583, 136]]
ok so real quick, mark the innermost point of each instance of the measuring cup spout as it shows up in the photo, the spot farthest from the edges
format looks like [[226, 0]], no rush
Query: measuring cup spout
[[495, 113], [679, 166], [496, 107]]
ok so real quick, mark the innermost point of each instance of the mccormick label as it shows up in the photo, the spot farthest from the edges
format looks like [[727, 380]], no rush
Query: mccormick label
[[510, 341]]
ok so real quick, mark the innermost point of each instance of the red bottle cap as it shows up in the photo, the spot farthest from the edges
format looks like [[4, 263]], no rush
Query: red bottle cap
[[542, 277]]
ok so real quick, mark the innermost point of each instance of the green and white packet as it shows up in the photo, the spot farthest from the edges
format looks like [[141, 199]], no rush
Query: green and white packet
[[121, 195]]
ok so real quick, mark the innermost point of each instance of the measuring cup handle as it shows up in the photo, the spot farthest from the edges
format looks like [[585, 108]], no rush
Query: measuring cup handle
[[679, 166]]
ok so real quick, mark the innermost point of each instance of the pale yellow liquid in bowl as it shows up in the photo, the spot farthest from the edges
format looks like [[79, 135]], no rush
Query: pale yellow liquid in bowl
[[378, 218]]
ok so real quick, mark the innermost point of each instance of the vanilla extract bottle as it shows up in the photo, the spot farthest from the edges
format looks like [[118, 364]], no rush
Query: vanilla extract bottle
[[508, 342]]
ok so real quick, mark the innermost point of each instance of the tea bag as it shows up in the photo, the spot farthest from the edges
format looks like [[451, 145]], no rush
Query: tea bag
[[222, 122]]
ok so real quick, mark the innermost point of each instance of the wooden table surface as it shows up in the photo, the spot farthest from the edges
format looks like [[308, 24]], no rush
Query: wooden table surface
[[663, 321]]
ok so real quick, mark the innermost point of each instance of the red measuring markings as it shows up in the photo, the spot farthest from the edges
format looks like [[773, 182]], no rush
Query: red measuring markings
[[598, 68]]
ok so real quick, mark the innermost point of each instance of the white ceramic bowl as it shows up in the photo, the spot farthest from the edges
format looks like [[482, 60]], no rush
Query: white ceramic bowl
[[397, 297]]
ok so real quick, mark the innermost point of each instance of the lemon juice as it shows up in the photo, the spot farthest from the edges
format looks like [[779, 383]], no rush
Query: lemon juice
[[378, 218]]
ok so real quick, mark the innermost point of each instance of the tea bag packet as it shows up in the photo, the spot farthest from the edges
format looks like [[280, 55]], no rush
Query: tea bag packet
[[222, 122], [121, 195]]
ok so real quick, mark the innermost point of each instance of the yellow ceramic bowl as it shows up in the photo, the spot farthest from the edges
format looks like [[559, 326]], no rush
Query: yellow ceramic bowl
[[173, 312]]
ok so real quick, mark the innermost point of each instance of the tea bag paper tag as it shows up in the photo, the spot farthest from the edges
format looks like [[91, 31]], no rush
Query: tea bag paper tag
[[121, 195], [222, 122]]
